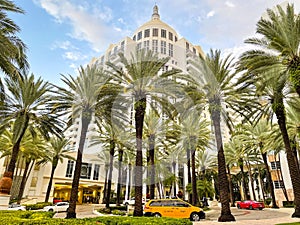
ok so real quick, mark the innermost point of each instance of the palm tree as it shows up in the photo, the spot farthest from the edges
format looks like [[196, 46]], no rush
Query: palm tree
[[139, 79], [80, 100], [194, 136], [26, 104], [274, 92], [13, 60], [214, 76], [279, 43], [56, 152]]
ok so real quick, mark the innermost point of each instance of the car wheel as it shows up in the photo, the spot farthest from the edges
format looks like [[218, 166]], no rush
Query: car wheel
[[156, 215], [238, 206], [260, 208], [50, 210], [195, 216], [250, 207], [126, 204]]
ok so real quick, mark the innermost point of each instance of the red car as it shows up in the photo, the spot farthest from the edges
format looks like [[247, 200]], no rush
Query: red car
[[250, 204]]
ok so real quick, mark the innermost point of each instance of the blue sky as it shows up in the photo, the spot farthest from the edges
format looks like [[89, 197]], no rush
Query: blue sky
[[61, 35]]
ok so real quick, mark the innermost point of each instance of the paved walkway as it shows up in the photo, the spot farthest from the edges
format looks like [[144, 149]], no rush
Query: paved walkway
[[284, 217]]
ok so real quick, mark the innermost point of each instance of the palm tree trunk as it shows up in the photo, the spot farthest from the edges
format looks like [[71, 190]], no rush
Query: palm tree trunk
[[111, 164], [140, 107], [290, 155], [269, 179], [230, 186], [188, 156], [194, 181], [6, 180], [244, 183], [50, 182], [226, 215], [129, 179], [105, 184], [152, 165], [85, 121], [119, 176], [251, 180], [175, 177], [23, 182]]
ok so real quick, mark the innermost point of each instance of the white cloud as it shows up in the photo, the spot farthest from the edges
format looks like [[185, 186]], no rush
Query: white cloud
[[229, 4], [87, 24], [210, 14]]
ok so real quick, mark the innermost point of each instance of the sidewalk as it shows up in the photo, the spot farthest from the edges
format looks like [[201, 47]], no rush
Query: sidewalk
[[285, 218]]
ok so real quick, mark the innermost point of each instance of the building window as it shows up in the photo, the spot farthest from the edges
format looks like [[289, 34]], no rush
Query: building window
[[278, 184], [170, 50], [134, 38], [275, 165], [171, 36], [194, 50], [122, 46], [163, 47], [155, 46], [70, 167], [146, 44], [96, 172], [163, 33], [147, 33], [187, 46], [155, 32], [86, 169], [139, 36], [33, 182], [176, 38], [139, 46]]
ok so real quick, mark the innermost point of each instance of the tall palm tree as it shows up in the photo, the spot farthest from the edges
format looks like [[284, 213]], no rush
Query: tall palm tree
[[278, 44], [194, 136], [27, 105], [13, 60], [79, 99], [56, 152], [274, 92], [213, 76], [139, 80]]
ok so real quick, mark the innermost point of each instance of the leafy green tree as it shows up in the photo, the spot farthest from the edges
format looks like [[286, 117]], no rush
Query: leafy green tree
[[26, 104], [13, 60], [139, 79], [56, 152], [79, 100]]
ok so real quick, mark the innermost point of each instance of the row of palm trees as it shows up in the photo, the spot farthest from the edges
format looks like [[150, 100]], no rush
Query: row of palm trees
[[258, 86]]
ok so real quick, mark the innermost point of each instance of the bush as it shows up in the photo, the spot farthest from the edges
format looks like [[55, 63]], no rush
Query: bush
[[122, 208], [38, 205], [31, 217], [104, 210], [268, 201], [118, 212], [287, 204]]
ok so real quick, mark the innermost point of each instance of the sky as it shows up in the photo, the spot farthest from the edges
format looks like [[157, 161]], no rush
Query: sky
[[62, 35]]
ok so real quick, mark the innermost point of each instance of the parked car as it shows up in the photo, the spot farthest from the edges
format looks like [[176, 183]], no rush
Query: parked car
[[175, 208], [16, 207], [58, 207], [56, 200], [132, 201], [250, 204]]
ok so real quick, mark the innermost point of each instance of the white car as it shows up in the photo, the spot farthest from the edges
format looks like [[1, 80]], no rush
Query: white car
[[16, 207], [58, 207], [132, 201]]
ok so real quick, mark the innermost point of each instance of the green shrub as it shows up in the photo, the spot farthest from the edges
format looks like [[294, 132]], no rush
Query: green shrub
[[118, 212], [36, 206], [288, 204], [104, 210], [123, 207], [268, 201]]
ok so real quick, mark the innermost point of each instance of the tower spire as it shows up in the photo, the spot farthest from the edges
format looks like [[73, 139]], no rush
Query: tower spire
[[155, 14]]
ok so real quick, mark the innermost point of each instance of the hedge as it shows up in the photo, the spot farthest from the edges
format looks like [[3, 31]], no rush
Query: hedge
[[31, 217]]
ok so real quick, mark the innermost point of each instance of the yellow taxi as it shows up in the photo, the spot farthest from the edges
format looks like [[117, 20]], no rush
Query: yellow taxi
[[175, 208]]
